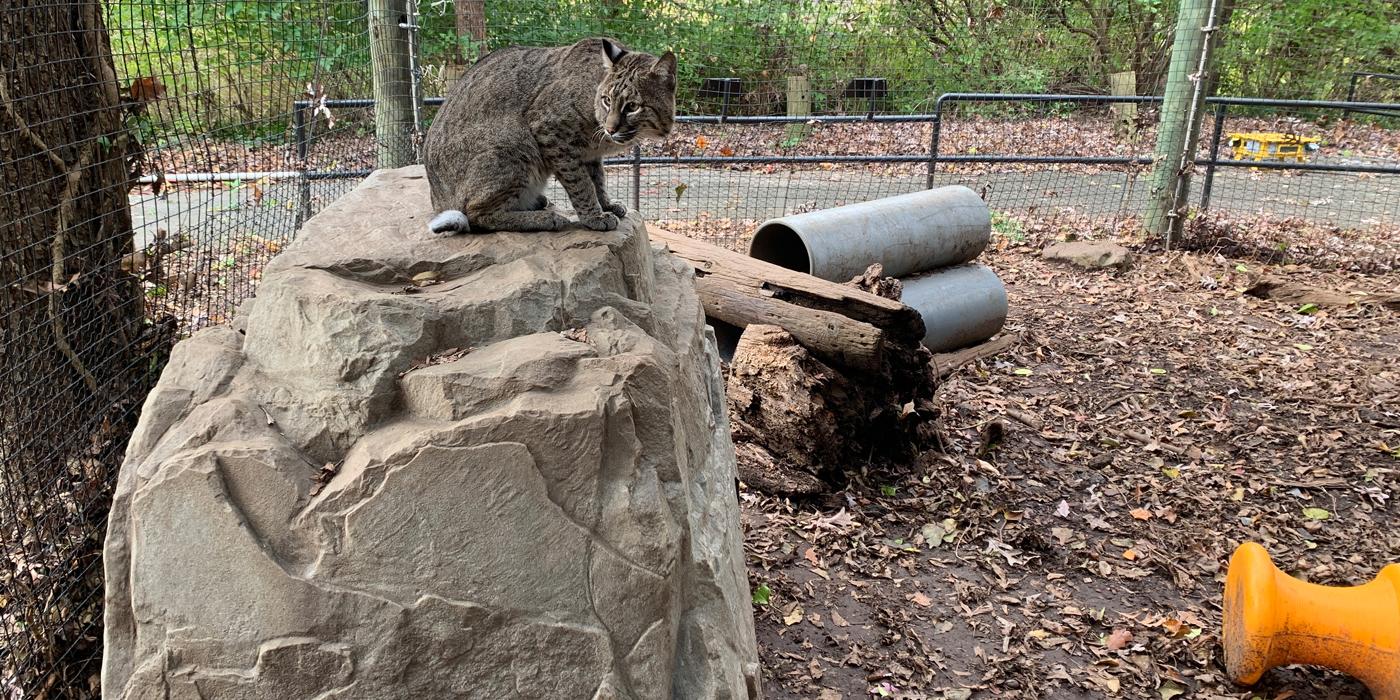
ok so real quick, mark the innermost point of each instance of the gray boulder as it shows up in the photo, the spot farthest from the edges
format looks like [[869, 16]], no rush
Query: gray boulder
[[1090, 254], [418, 467]]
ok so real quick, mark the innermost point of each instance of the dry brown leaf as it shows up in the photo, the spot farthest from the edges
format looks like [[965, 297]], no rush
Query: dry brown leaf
[[793, 616]]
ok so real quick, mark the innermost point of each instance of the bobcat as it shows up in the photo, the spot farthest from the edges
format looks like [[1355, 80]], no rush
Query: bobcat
[[522, 114]]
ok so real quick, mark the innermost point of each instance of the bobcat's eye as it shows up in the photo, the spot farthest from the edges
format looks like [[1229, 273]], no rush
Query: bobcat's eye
[[606, 102], [630, 108]]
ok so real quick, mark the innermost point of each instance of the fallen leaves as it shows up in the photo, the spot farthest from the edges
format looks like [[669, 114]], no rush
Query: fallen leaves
[[793, 615], [762, 595], [437, 358], [1112, 519], [1316, 514]]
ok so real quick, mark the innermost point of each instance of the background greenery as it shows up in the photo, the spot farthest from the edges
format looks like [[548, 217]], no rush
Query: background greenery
[[236, 62]]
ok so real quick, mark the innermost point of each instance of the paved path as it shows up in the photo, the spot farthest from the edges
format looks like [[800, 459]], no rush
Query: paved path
[[1341, 199]]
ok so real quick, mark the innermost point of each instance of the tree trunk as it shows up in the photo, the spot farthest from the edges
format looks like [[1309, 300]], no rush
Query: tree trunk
[[73, 371], [390, 48], [1179, 125], [471, 25]]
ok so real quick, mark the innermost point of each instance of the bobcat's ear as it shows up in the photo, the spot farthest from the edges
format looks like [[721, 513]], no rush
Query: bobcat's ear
[[612, 52], [666, 66]]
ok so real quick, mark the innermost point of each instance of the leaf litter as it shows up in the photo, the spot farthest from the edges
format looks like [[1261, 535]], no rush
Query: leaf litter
[[1085, 556]]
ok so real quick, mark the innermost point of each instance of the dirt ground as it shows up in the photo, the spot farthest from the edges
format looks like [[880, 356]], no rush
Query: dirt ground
[[1072, 540]]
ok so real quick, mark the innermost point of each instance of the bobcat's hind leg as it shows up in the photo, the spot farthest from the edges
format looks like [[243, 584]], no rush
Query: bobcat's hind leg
[[514, 204], [521, 221]]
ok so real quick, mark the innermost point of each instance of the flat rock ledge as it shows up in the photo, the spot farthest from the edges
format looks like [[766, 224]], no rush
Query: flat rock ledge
[[513, 479]]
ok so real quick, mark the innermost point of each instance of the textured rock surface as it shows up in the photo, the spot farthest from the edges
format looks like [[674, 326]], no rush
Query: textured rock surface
[[546, 516], [1090, 254]]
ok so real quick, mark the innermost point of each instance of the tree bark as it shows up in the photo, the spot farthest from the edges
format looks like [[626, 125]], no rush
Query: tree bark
[[73, 370], [390, 48], [841, 324], [801, 426], [1179, 125], [774, 292], [471, 24]]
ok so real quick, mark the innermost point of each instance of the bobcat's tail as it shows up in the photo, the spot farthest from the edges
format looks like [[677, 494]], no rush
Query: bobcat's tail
[[450, 221]]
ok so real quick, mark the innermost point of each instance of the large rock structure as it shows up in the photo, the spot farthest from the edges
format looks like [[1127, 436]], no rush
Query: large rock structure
[[473, 467]]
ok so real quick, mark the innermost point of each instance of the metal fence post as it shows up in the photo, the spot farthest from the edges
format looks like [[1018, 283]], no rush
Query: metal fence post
[[411, 27], [1351, 91], [1214, 155], [300, 137], [933, 141], [637, 179]]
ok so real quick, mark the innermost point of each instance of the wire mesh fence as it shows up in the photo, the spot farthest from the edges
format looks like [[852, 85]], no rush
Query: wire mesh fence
[[157, 153], [124, 224]]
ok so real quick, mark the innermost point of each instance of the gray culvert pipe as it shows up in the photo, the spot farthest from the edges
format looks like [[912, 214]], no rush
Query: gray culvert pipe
[[906, 234], [961, 305]]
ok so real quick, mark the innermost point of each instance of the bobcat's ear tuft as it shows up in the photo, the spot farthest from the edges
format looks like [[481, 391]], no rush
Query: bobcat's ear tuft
[[666, 66], [613, 52]]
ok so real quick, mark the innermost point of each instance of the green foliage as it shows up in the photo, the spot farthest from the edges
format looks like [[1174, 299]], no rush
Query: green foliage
[[235, 65], [1307, 49]]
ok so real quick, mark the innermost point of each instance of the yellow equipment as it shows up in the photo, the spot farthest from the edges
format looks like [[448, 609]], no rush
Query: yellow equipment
[[1259, 146]]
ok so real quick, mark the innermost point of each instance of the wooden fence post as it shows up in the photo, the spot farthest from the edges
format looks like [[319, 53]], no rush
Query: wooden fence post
[[1124, 114], [799, 104]]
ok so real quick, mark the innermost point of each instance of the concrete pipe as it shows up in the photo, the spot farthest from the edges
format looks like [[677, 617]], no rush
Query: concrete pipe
[[961, 305], [907, 234]]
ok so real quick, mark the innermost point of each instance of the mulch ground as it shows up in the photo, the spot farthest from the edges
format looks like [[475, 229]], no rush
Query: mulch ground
[[1072, 540]]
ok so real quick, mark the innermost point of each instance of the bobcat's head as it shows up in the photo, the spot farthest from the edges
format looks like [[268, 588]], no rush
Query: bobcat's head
[[637, 97]]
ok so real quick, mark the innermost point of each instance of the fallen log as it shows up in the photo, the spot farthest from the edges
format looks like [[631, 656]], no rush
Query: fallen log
[[838, 339], [774, 293], [1295, 293], [948, 362]]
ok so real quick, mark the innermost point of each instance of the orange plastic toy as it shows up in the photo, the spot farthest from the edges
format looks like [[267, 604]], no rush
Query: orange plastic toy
[[1273, 619]]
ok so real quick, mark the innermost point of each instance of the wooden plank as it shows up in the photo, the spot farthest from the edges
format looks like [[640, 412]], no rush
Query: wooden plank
[[717, 268]]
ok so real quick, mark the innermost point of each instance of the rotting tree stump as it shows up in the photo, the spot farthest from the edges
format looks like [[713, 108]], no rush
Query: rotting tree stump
[[826, 377]]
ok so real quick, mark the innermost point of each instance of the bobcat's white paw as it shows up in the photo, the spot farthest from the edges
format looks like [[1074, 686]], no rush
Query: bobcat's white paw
[[450, 221]]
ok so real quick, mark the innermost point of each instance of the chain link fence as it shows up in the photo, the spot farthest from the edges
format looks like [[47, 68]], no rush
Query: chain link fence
[[157, 153]]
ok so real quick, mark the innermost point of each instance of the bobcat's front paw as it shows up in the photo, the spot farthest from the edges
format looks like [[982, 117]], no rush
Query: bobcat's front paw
[[603, 222], [616, 208], [559, 222]]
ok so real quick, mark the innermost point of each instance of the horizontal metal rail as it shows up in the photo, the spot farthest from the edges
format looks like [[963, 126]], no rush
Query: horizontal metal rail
[[931, 159], [253, 176], [1355, 80], [951, 97], [1141, 99]]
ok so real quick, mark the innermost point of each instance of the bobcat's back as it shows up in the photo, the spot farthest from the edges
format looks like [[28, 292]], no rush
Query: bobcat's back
[[522, 114]]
